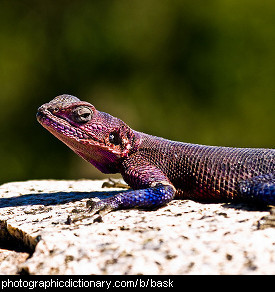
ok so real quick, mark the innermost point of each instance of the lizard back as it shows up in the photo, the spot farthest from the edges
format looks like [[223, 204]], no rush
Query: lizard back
[[206, 172]]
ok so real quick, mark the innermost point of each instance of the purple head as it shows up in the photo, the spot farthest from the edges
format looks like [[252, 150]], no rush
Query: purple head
[[98, 137]]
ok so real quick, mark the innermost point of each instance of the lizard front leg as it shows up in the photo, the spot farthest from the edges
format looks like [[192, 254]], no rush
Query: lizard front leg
[[150, 198], [153, 190]]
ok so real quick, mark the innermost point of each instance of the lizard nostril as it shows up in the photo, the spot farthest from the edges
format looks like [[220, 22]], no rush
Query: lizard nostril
[[39, 113]]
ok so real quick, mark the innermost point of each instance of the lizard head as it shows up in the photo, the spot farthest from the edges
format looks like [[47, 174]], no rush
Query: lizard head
[[98, 137]]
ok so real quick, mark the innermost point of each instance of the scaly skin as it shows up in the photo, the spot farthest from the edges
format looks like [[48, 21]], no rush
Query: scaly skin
[[157, 169]]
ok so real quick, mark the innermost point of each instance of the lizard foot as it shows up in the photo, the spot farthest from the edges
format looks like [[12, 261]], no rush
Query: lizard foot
[[113, 183], [99, 207], [267, 221]]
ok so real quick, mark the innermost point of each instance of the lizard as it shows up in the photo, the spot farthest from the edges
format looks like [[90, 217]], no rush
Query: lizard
[[158, 170]]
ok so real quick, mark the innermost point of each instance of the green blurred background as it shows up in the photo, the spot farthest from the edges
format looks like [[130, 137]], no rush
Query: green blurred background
[[194, 71]]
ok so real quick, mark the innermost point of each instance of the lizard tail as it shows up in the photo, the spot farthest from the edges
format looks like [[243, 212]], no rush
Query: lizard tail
[[260, 189]]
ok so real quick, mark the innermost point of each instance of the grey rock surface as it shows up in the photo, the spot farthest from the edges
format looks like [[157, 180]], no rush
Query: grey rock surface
[[45, 228]]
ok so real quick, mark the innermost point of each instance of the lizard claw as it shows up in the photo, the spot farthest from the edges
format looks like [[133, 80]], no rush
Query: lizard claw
[[92, 205], [112, 183], [101, 208]]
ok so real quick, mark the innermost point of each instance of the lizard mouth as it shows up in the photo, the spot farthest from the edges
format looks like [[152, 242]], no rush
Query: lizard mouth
[[60, 126]]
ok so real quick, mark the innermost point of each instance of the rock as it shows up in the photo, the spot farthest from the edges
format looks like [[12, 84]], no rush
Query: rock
[[45, 228]]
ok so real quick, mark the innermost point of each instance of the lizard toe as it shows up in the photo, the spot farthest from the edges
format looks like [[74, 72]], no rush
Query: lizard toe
[[99, 207]]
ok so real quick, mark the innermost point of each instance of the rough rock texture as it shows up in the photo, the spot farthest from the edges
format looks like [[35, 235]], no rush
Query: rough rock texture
[[45, 229]]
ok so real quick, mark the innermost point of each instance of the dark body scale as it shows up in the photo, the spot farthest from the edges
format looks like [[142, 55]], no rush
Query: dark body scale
[[198, 172]]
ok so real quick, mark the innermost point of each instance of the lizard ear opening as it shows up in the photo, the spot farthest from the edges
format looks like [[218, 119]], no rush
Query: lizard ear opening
[[82, 114], [114, 138]]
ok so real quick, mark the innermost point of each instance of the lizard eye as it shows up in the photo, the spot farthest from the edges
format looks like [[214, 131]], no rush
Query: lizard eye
[[114, 138], [82, 114]]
